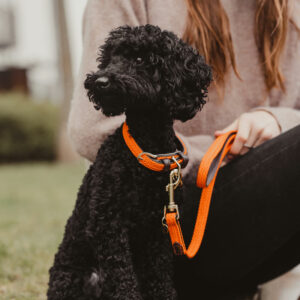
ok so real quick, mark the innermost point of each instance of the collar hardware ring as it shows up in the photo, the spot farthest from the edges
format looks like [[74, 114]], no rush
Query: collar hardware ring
[[139, 157]]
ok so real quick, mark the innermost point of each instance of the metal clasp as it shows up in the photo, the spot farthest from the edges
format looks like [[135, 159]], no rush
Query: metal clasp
[[175, 181]]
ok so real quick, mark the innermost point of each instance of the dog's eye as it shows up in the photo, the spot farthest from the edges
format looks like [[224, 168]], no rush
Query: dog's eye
[[139, 60]]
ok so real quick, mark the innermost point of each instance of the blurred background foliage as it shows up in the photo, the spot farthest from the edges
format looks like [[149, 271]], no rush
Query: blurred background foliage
[[28, 129], [40, 49], [35, 202]]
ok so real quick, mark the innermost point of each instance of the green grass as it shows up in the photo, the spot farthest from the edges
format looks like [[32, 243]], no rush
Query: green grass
[[35, 202]]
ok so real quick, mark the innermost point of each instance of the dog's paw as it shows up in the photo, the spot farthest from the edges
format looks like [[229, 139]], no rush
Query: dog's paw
[[94, 284]]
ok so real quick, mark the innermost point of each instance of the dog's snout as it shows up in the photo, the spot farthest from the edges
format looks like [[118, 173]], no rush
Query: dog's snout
[[103, 81]]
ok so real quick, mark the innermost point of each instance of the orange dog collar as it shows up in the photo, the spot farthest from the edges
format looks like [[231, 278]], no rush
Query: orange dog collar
[[156, 162]]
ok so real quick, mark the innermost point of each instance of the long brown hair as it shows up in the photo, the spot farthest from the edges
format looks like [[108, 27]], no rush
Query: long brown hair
[[208, 29]]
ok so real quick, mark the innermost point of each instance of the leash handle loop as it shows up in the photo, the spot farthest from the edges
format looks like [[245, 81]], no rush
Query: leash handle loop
[[207, 173]]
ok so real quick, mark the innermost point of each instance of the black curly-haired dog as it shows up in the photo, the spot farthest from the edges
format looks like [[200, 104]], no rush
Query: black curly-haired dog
[[114, 246]]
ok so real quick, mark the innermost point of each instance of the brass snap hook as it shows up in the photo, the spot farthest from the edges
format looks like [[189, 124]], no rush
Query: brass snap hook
[[175, 181]]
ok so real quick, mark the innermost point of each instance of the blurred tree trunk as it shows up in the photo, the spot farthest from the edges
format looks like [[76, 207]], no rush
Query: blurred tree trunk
[[64, 149]]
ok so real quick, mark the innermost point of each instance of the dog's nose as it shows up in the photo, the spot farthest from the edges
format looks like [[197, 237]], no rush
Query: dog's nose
[[103, 81]]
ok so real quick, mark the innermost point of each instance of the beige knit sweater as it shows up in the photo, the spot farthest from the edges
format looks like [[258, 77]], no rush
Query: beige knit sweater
[[88, 128]]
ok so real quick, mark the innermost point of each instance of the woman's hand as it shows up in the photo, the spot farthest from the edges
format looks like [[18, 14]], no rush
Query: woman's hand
[[253, 129]]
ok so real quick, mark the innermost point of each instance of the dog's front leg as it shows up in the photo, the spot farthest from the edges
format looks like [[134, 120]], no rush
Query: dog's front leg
[[115, 260], [75, 262], [73, 269], [158, 260]]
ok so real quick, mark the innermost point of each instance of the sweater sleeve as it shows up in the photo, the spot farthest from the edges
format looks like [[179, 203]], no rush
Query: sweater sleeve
[[286, 117], [88, 128]]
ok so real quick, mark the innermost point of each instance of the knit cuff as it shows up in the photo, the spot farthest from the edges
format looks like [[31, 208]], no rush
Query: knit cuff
[[286, 117]]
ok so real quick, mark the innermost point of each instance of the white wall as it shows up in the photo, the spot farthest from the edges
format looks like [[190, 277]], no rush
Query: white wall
[[34, 31], [36, 41]]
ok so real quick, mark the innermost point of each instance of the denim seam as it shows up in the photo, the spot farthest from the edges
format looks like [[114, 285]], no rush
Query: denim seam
[[255, 165]]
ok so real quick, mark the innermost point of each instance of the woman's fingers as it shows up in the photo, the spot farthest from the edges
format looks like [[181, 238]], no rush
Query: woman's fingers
[[243, 133], [266, 134], [254, 135], [252, 130]]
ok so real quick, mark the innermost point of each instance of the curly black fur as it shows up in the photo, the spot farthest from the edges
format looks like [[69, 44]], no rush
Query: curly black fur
[[114, 246], [149, 68]]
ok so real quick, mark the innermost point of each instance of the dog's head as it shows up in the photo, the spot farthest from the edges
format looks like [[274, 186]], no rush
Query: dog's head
[[143, 68]]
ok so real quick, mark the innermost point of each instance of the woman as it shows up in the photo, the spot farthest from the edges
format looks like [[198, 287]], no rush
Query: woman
[[254, 49]]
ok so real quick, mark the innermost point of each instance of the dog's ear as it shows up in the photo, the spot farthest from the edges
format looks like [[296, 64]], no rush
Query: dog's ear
[[189, 79]]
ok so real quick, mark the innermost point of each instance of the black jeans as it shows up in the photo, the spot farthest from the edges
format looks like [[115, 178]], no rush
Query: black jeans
[[253, 229]]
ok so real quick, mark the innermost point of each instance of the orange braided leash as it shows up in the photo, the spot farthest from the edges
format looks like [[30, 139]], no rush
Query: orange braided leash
[[206, 177], [207, 173]]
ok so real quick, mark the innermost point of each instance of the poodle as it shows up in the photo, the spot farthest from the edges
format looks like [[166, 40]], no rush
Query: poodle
[[114, 246]]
